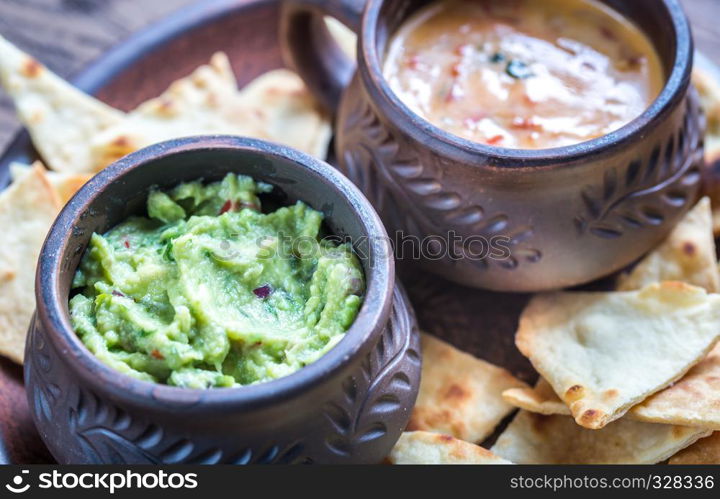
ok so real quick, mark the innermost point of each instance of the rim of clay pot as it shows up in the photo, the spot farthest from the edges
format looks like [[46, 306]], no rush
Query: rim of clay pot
[[388, 103], [52, 300]]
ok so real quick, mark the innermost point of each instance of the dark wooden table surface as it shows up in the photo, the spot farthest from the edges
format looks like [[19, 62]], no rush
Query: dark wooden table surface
[[68, 34]]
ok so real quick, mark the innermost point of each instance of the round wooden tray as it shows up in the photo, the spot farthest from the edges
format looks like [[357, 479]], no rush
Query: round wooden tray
[[480, 322]]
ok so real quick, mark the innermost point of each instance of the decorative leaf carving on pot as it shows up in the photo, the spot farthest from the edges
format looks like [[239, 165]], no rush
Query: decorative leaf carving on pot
[[380, 387], [46, 393], [108, 434], [648, 190], [411, 195]]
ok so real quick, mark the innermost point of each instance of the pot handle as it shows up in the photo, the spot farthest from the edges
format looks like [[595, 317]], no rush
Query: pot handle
[[309, 49]]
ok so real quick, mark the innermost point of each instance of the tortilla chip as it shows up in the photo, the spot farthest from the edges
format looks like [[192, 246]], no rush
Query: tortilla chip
[[27, 209], [704, 451], [460, 395], [541, 399], [539, 439], [692, 401], [66, 184], [284, 111], [345, 37], [605, 352], [195, 105], [687, 255], [275, 106], [60, 118], [76, 133], [420, 447]]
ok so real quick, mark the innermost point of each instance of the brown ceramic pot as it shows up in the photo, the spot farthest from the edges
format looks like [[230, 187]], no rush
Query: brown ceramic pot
[[569, 214], [348, 407]]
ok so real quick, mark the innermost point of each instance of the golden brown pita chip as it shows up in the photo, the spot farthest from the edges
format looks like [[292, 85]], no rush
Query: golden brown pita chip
[[704, 451], [27, 209], [540, 439], [76, 133], [420, 447], [541, 399], [66, 184], [460, 395], [605, 352], [285, 111], [687, 255], [692, 401], [60, 118], [194, 105], [275, 106]]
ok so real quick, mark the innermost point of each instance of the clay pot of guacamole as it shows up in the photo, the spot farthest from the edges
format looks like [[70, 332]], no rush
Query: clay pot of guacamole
[[347, 407], [569, 214]]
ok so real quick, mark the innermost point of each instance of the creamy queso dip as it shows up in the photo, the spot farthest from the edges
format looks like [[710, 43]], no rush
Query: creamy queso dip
[[524, 74]]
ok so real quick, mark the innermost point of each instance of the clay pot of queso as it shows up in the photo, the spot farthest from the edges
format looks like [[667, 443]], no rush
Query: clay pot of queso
[[348, 406], [539, 144]]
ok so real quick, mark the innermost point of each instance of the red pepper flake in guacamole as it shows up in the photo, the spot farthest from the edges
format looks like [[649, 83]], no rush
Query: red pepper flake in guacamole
[[226, 207], [263, 291], [181, 307]]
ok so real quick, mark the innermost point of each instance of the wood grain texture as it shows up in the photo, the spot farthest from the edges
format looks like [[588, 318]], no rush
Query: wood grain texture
[[20, 442], [66, 35]]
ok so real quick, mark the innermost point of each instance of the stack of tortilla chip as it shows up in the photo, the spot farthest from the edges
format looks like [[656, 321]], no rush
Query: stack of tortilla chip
[[276, 106], [77, 135], [27, 209], [459, 404], [60, 118], [631, 376], [66, 184], [638, 370], [460, 395]]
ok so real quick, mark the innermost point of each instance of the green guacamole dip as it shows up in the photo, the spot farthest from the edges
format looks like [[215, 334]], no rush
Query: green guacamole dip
[[208, 291]]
